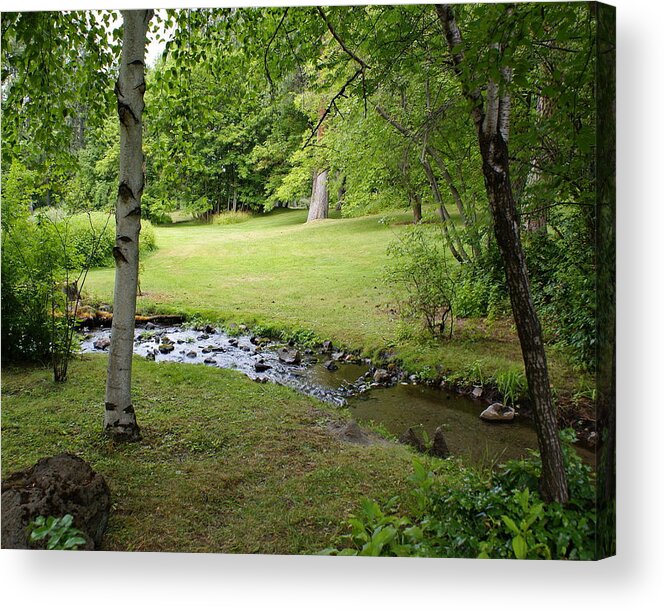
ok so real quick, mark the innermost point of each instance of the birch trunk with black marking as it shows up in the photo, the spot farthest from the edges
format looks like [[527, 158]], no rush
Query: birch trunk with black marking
[[492, 119], [120, 419]]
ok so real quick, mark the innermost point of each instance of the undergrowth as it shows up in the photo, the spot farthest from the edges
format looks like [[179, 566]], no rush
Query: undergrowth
[[491, 514]]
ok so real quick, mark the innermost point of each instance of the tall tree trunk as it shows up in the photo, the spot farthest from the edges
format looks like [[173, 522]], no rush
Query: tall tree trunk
[[318, 204], [492, 119], [120, 419]]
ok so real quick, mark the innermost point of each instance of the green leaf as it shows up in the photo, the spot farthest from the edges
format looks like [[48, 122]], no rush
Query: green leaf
[[73, 542], [414, 532], [384, 536], [519, 547], [510, 524]]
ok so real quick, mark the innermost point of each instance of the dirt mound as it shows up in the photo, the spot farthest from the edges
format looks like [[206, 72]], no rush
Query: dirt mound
[[55, 486]]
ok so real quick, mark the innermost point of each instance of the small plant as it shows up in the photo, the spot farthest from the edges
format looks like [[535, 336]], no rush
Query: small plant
[[58, 531], [512, 384], [475, 373], [523, 542]]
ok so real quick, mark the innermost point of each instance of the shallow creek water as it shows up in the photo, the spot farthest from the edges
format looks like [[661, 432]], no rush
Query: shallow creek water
[[396, 408]]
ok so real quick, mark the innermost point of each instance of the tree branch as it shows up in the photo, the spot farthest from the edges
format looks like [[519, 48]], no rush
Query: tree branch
[[339, 94], [336, 36], [265, 54]]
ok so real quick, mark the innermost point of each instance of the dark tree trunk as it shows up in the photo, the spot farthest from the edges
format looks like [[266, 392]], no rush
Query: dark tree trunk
[[492, 118], [506, 230], [416, 208]]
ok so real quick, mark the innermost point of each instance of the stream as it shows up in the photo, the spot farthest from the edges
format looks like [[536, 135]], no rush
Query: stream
[[343, 381]]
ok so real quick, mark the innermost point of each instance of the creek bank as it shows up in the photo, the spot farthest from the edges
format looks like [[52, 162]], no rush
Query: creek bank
[[267, 359]]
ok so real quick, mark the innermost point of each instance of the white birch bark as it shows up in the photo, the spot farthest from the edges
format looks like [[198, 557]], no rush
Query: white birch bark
[[120, 419]]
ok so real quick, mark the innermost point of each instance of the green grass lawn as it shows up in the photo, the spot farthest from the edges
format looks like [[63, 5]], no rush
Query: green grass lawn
[[225, 465], [326, 277]]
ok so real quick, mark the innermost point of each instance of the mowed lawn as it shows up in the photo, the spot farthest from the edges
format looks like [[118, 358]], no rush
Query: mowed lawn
[[326, 277]]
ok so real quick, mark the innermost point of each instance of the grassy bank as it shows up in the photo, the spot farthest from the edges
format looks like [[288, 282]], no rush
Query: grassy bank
[[325, 277], [225, 465]]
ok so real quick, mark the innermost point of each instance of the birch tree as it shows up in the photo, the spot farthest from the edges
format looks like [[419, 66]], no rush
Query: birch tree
[[491, 117], [120, 419]]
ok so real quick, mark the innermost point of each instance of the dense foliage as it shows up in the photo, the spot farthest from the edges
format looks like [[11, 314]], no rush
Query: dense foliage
[[44, 259]]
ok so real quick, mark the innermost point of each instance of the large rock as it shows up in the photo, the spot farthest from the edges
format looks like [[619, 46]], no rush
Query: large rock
[[289, 356], [261, 366], [330, 365], [55, 486], [351, 432], [498, 412], [411, 438], [102, 343], [439, 446], [382, 376]]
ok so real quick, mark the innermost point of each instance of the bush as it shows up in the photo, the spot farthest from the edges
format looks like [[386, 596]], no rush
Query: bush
[[423, 284], [562, 274], [92, 236], [42, 255], [31, 263], [489, 515]]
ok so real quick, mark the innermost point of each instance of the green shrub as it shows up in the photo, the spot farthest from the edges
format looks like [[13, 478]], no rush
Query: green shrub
[[42, 255], [31, 265], [482, 514], [512, 385], [562, 274], [92, 237], [423, 284]]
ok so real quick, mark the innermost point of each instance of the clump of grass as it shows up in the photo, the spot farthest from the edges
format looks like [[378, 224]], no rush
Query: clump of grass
[[231, 218]]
